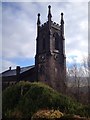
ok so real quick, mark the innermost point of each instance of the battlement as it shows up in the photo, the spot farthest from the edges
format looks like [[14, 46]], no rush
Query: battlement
[[44, 25], [53, 24]]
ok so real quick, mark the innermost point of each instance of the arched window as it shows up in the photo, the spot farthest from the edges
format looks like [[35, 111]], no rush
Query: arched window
[[56, 41]]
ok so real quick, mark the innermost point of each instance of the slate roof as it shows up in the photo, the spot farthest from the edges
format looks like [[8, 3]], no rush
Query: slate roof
[[12, 72]]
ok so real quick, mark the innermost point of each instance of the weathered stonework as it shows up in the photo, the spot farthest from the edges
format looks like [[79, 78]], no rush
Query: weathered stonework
[[50, 60]]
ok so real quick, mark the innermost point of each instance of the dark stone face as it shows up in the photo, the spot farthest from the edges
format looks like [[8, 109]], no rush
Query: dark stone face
[[50, 59]]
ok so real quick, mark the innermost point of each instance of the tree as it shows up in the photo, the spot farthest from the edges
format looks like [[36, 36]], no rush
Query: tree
[[80, 78], [89, 79], [74, 79]]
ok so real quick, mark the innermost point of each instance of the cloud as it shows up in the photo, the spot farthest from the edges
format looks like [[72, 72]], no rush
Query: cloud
[[0, 29], [77, 30], [19, 28], [5, 64], [45, 0], [18, 34]]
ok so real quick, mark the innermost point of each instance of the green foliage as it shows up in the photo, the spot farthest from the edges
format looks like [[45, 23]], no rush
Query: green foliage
[[84, 111], [25, 98], [10, 98], [72, 117]]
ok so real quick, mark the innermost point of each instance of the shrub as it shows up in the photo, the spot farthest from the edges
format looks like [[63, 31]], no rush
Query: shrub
[[47, 114], [10, 98], [84, 111], [27, 98]]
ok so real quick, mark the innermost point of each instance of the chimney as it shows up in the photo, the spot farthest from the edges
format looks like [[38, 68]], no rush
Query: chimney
[[18, 73], [10, 68]]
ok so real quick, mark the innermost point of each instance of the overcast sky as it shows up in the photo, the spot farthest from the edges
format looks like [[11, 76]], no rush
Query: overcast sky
[[19, 30]]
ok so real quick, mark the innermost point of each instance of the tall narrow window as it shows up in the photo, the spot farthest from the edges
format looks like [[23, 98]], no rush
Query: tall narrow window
[[56, 41]]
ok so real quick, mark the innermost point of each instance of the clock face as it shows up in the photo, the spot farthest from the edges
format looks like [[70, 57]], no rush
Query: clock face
[[56, 57]]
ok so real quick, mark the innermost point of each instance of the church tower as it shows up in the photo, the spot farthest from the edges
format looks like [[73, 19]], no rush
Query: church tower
[[50, 60]]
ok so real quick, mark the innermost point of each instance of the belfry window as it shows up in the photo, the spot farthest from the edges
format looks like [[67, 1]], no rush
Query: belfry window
[[56, 41]]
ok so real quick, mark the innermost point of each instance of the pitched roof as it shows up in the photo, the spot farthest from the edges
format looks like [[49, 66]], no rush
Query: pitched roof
[[12, 72]]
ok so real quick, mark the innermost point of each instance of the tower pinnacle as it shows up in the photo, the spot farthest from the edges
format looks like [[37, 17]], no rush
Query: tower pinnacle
[[38, 20], [38, 23], [62, 21], [62, 25], [49, 13]]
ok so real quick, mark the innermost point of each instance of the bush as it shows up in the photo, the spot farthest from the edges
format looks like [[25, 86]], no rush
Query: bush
[[84, 111], [27, 98], [47, 114], [11, 97], [72, 117]]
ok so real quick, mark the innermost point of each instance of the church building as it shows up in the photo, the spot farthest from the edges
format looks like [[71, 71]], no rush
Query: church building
[[50, 59]]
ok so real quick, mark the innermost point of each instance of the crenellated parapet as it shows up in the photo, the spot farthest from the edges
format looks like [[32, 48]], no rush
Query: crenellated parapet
[[44, 25], [53, 24]]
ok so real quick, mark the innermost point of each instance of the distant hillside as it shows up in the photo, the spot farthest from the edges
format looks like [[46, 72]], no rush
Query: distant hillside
[[25, 98]]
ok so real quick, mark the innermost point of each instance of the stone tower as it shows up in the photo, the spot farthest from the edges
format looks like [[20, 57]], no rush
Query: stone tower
[[50, 60]]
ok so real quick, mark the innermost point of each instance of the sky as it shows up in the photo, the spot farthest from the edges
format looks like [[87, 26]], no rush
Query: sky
[[18, 30]]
